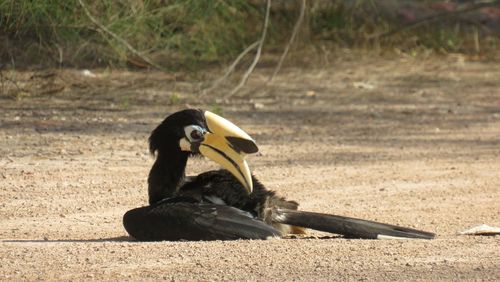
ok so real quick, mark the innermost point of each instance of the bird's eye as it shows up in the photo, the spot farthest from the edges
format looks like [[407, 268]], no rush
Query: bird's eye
[[194, 133]]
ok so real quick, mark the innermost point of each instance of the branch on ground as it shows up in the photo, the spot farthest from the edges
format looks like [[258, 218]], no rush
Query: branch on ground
[[257, 55], [292, 38], [231, 68], [436, 17], [119, 39]]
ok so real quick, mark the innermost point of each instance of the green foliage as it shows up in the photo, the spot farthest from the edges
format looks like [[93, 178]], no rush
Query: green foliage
[[357, 24], [190, 33], [174, 99], [125, 103], [186, 31], [217, 109]]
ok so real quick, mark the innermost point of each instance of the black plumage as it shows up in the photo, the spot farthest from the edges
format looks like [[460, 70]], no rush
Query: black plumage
[[222, 204], [190, 208]]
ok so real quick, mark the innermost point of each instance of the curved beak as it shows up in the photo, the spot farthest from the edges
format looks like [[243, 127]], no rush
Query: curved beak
[[228, 145]]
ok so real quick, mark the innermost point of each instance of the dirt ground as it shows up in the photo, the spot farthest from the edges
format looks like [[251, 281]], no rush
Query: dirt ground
[[404, 141]]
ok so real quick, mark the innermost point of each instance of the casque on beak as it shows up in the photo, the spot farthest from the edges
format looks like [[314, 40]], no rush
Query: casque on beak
[[228, 145]]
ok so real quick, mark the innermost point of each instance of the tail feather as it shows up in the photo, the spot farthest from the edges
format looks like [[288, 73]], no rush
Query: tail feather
[[347, 226]]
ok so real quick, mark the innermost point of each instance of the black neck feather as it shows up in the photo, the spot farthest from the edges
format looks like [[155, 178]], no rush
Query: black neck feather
[[166, 175]]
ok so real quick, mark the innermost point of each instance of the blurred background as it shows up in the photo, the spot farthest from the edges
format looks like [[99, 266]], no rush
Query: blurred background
[[191, 34]]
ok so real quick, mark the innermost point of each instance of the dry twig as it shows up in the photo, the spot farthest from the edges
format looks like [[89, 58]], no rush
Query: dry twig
[[121, 40], [231, 68], [257, 55], [292, 38]]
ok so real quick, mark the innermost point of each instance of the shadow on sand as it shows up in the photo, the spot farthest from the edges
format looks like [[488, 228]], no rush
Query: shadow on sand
[[41, 241]]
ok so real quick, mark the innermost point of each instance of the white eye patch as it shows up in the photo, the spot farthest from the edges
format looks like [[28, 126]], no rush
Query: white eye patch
[[194, 133]]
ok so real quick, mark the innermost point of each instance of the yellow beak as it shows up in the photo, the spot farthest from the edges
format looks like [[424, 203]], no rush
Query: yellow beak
[[228, 145]]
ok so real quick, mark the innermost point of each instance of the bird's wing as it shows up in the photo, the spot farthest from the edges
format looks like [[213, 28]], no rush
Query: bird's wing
[[347, 226], [194, 221]]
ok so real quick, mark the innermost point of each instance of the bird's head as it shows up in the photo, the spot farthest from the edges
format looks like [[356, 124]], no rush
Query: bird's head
[[202, 132]]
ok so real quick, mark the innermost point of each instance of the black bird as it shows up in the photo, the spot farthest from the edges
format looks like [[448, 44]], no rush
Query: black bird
[[225, 204]]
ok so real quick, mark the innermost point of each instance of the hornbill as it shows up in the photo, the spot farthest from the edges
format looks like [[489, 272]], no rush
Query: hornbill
[[224, 204]]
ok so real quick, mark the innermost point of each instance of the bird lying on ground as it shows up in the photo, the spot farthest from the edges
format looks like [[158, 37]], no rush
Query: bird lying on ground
[[225, 204]]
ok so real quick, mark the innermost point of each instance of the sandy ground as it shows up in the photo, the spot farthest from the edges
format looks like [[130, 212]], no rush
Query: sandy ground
[[403, 141]]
